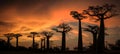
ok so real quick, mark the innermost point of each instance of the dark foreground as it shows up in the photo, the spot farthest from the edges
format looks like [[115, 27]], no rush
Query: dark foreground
[[67, 52]]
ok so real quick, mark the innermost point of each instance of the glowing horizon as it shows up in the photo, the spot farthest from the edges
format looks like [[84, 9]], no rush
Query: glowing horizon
[[28, 16]]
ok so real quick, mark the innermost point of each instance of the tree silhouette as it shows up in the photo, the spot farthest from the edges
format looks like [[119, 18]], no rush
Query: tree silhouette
[[117, 43], [44, 42], [78, 17], [33, 36], [9, 37], [100, 13], [36, 45], [115, 46], [41, 43], [3, 44], [48, 35], [17, 36], [94, 30], [63, 28]]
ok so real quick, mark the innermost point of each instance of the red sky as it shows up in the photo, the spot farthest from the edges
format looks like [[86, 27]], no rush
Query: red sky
[[24, 16]]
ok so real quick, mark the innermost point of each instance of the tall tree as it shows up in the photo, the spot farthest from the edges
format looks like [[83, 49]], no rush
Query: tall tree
[[117, 43], [78, 17], [115, 46], [48, 35], [63, 28], [94, 30], [9, 37], [17, 36], [100, 13], [33, 36], [42, 43]]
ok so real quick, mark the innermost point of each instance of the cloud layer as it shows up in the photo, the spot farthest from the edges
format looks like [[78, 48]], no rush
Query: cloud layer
[[24, 16]]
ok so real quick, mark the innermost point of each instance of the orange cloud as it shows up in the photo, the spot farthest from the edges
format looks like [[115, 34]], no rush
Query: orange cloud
[[39, 16]]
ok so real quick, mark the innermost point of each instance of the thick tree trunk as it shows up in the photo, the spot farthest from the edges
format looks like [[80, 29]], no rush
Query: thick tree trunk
[[8, 42], [47, 43], [41, 44], [80, 44], [94, 40], [44, 44], [101, 37], [63, 41], [33, 41], [95, 43], [16, 41]]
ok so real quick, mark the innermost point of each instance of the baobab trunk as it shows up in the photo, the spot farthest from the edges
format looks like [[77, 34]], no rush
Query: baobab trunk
[[16, 41], [33, 41], [101, 36], [95, 42], [80, 44], [63, 41], [8, 42], [44, 44], [47, 43], [41, 44]]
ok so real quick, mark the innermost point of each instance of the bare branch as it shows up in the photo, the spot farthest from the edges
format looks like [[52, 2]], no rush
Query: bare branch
[[106, 11], [55, 29], [77, 15], [47, 33], [107, 16], [17, 35], [92, 28], [62, 28]]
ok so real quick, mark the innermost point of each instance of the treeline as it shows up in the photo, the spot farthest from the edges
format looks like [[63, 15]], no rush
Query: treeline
[[97, 13]]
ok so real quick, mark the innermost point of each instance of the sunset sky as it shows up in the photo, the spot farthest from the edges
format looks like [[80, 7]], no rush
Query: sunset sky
[[25, 16]]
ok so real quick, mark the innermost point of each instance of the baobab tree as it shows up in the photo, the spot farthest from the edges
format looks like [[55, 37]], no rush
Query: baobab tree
[[101, 13], [33, 34], [42, 41], [9, 37], [17, 36], [78, 17], [94, 30], [63, 28], [48, 35]]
